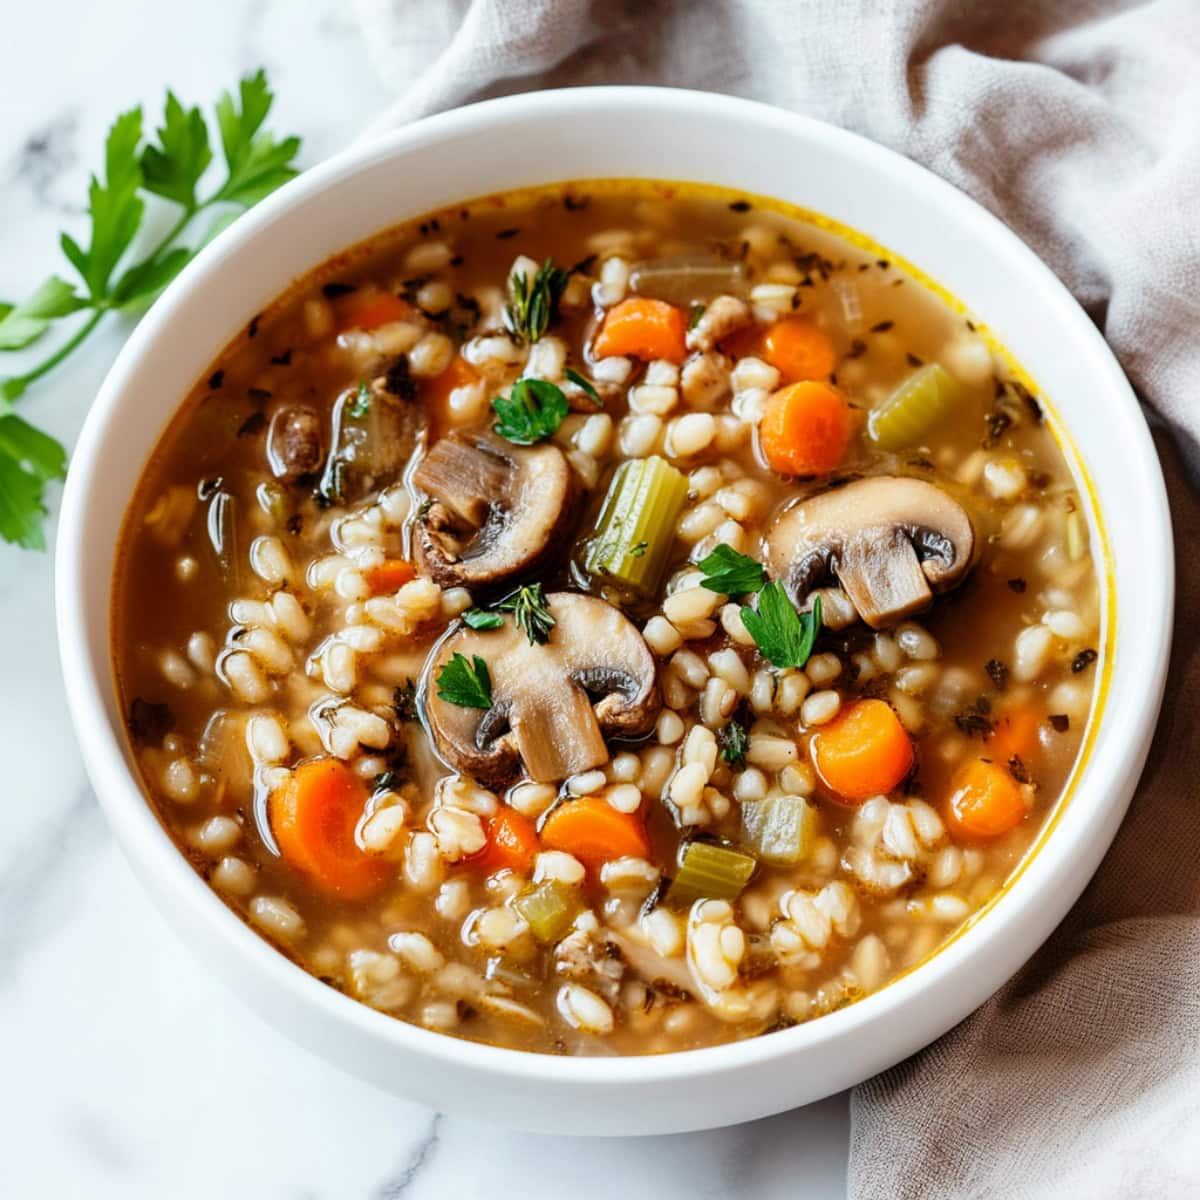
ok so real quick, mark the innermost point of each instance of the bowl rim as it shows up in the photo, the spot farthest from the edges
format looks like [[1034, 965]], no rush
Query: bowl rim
[[1031, 902]]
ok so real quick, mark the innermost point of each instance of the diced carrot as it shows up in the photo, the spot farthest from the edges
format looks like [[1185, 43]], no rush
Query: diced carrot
[[1015, 735], [313, 817], [391, 575], [643, 328], [985, 800], [806, 428], [437, 390], [512, 843], [595, 832], [378, 310], [864, 751], [799, 350]]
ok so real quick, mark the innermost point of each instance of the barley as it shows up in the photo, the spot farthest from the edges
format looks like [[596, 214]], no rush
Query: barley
[[917, 643], [762, 690], [277, 917], [704, 382], [426, 257], [1033, 647], [661, 636], [583, 1009], [1004, 479], [690, 668], [664, 931], [234, 876], [218, 835], [244, 677], [700, 521], [638, 435], [453, 899], [179, 781], [417, 952], [669, 728], [771, 753], [585, 784], [266, 739], [557, 864], [886, 653], [625, 768], [752, 372], [624, 797], [422, 862], [727, 665], [701, 747], [690, 434], [790, 691], [820, 708]]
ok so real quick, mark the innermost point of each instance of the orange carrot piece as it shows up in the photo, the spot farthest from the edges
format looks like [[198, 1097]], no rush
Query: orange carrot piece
[[595, 832], [379, 310], [512, 843], [643, 328], [799, 350], [391, 575], [806, 428], [1015, 735], [864, 751], [437, 390], [314, 817], [985, 800]]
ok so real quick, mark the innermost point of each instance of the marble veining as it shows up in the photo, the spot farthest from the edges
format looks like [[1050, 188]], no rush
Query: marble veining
[[127, 1070]]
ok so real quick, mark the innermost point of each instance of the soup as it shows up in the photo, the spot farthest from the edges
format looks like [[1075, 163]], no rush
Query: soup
[[610, 619]]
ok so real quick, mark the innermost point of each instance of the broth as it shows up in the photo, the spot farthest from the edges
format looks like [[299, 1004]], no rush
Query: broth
[[738, 844]]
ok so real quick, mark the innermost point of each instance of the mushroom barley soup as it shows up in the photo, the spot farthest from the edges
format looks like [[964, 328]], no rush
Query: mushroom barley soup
[[614, 619]]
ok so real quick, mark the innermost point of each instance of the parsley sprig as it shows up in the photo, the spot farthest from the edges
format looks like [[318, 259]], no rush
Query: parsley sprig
[[533, 304], [730, 573], [784, 636], [465, 682], [734, 741], [168, 165], [532, 411]]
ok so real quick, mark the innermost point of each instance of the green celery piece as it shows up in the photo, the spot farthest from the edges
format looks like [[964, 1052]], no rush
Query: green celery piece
[[636, 527], [710, 872], [926, 397], [548, 909], [780, 828]]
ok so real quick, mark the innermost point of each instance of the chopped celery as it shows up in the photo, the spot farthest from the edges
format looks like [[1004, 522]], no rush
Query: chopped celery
[[636, 527], [548, 909], [922, 400], [710, 872], [780, 828]]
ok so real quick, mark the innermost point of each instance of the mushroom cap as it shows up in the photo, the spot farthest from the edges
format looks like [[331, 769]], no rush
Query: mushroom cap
[[553, 703], [496, 512], [891, 542]]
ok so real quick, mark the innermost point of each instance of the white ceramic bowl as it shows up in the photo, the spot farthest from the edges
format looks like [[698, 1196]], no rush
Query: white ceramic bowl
[[629, 132]]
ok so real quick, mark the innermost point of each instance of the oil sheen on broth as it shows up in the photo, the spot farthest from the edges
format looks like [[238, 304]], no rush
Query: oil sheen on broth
[[465, 614]]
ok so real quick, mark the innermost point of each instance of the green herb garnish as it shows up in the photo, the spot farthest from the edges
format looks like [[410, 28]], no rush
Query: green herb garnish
[[639, 550], [734, 741], [480, 618], [784, 637], [730, 573], [532, 306], [171, 168], [465, 682], [532, 411], [694, 316], [585, 384], [361, 404], [531, 613]]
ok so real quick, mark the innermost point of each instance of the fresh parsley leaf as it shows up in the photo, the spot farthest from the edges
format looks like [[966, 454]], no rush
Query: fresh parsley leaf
[[465, 683], [257, 163], [532, 306], [533, 410], [638, 549], [531, 613], [584, 384], [24, 323], [784, 637], [361, 404], [148, 278], [697, 311], [114, 206], [480, 618], [29, 459], [730, 573], [734, 741], [173, 167]]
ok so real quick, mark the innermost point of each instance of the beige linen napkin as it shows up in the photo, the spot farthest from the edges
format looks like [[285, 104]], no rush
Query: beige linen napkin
[[1078, 123]]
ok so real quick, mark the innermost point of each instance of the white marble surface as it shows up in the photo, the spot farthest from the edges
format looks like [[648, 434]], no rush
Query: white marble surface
[[125, 1070]]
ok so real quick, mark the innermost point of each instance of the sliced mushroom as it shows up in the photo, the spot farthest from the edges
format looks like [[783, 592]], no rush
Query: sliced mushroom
[[891, 542], [552, 703], [294, 445], [497, 510]]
